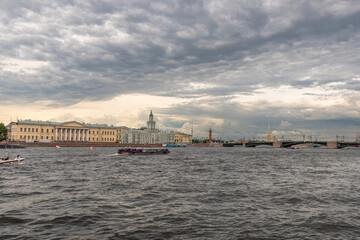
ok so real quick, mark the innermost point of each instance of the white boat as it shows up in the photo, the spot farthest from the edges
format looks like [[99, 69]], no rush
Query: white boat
[[7, 160]]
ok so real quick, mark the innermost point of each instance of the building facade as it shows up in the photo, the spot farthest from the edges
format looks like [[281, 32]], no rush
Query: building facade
[[151, 135], [46, 131], [182, 138]]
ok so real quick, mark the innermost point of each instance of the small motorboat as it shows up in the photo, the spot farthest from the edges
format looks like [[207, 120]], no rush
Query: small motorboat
[[7, 160], [293, 148], [143, 151]]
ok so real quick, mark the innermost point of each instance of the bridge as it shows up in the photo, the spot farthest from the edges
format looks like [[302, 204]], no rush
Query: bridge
[[285, 144]]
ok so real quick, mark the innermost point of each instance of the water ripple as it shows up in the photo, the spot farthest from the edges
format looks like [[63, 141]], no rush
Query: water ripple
[[192, 193]]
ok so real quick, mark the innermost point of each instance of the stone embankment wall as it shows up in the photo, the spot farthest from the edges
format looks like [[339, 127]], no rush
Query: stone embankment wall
[[89, 144], [82, 144], [206, 145]]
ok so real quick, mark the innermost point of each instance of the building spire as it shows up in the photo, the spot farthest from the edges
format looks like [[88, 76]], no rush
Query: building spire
[[151, 122], [268, 139]]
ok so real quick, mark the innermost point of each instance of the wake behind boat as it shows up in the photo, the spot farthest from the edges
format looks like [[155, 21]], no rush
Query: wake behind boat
[[7, 160], [143, 151]]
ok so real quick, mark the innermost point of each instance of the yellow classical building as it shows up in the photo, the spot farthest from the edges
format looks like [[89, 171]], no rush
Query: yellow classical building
[[182, 138], [46, 131]]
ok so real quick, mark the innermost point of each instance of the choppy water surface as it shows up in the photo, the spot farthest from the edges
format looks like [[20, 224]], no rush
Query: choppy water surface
[[192, 193]]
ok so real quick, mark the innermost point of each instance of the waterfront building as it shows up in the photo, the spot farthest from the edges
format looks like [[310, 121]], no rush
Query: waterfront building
[[182, 138], [151, 135], [47, 131], [72, 131]]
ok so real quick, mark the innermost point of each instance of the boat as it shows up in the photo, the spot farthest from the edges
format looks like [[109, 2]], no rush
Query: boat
[[57, 146], [174, 145], [143, 151], [293, 148], [7, 160]]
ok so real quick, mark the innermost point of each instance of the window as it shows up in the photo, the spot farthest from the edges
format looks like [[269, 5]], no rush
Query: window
[[47, 137], [28, 137], [24, 129], [32, 137], [36, 137], [20, 136], [42, 137], [32, 129], [47, 130], [52, 130], [97, 132], [29, 129], [37, 130], [42, 130], [20, 129]]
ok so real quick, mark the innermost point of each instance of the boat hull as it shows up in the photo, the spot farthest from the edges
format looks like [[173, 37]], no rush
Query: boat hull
[[11, 161], [151, 151]]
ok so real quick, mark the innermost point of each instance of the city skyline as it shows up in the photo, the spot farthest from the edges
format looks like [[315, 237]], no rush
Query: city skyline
[[232, 66]]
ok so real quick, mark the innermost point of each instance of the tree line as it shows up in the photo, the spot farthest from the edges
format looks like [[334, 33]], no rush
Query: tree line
[[3, 132]]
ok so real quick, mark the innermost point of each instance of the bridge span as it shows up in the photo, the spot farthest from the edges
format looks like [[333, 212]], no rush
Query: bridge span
[[286, 144]]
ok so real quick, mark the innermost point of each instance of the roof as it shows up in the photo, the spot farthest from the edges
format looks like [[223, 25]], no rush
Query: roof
[[50, 123]]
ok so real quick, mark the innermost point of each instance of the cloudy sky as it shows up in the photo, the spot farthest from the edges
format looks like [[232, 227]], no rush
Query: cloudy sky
[[232, 66]]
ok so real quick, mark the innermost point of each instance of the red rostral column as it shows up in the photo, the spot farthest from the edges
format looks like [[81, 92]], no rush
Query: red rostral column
[[210, 135]]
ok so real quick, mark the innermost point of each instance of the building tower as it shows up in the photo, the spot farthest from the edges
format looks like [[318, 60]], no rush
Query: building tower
[[151, 122], [210, 132], [268, 139]]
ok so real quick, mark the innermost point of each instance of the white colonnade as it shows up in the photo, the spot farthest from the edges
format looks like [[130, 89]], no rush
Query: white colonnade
[[72, 134]]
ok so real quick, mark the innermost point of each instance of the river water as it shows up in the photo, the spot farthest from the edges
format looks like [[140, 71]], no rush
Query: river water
[[192, 193]]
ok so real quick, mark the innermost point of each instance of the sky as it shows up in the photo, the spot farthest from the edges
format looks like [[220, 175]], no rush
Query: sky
[[234, 66]]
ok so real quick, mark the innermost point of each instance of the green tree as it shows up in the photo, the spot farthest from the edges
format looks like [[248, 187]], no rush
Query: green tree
[[2, 132]]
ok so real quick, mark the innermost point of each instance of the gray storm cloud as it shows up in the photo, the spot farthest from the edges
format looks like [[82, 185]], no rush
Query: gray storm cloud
[[70, 51]]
